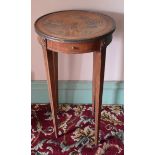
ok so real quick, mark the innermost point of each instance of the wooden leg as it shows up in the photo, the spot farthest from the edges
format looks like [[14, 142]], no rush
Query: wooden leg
[[93, 84], [50, 70], [99, 70], [56, 76]]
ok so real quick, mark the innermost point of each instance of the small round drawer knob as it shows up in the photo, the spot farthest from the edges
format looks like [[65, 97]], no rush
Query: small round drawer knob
[[74, 48]]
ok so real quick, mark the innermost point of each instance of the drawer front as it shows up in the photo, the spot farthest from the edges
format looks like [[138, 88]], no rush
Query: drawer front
[[83, 47]]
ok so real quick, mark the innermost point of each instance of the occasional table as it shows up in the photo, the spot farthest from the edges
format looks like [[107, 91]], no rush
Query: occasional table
[[75, 32]]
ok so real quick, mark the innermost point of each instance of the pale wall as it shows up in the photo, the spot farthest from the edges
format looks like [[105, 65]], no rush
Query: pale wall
[[79, 67]]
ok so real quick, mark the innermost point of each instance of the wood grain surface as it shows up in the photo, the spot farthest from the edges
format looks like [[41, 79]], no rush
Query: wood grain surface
[[74, 25], [75, 32]]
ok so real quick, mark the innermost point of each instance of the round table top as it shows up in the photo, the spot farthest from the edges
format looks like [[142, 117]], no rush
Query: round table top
[[74, 25]]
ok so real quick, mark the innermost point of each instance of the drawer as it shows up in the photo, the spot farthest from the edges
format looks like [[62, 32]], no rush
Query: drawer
[[82, 47]]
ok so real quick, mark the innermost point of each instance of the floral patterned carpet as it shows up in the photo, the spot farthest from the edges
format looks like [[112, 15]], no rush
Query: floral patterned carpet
[[76, 131]]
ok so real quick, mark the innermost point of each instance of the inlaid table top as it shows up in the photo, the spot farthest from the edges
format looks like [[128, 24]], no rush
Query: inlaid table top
[[74, 25]]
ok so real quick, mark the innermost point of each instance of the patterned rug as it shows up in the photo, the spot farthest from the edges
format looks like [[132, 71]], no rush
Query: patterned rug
[[76, 131]]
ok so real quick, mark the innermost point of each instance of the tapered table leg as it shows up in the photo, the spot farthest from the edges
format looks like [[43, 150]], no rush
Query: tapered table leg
[[93, 84], [56, 76], [99, 70], [49, 59]]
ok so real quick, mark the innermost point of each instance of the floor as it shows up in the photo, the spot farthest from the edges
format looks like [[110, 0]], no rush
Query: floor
[[76, 130]]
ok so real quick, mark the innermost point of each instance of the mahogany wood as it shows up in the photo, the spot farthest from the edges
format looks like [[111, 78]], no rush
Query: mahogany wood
[[93, 83], [74, 25], [75, 32], [73, 48], [55, 59], [99, 79], [51, 79]]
